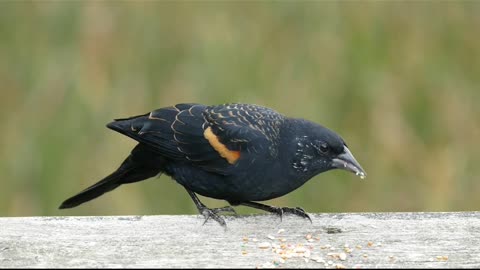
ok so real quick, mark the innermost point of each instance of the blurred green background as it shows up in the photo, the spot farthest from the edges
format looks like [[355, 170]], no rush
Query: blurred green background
[[398, 80]]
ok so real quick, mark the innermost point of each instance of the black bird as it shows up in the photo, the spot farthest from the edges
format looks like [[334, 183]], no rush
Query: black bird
[[239, 153]]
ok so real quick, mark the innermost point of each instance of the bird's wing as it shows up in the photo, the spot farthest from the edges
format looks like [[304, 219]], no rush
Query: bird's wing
[[245, 127], [212, 138]]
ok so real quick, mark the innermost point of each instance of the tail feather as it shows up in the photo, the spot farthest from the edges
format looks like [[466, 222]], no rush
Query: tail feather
[[105, 185], [129, 172]]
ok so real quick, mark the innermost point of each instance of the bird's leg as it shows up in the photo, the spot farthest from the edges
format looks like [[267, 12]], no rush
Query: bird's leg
[[225, 209], [210, 213], [278, 210]]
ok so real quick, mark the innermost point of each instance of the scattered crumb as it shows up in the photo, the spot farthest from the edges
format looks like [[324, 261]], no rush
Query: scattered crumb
[[318, 259], [304, 251], [338, 256], [300, 250], [307, 254], [442, 258], [264, 245], [278, 262]]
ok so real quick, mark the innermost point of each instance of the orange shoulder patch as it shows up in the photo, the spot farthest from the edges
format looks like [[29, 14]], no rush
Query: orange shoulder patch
[[229, 155]]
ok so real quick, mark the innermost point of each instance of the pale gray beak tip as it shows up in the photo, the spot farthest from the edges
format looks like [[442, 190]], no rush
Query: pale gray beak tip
[[362, 175], [346, 161]]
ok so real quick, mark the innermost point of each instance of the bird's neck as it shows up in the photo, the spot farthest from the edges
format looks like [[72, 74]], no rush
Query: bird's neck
[[293, 141]]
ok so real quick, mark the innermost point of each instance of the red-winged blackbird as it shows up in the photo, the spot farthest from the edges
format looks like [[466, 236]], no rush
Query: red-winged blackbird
[[239, 153]]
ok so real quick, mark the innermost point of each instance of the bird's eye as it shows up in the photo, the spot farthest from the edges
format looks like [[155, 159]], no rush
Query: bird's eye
[[323, 147]]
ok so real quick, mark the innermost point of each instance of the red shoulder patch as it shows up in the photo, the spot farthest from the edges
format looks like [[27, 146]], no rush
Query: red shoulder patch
[[229, 155]]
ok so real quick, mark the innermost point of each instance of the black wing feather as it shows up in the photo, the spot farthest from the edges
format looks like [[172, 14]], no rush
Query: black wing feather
[[177, 132], [241, 126]]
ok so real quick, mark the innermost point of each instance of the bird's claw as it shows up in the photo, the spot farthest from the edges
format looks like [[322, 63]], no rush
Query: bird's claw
[[210, 213], [295, 211], [226, 209], [214, 214]]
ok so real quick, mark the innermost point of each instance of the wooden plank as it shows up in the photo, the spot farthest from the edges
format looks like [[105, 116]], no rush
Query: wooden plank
[[370, 240]]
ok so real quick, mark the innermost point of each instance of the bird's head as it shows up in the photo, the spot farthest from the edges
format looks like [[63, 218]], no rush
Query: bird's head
[[318, 149]]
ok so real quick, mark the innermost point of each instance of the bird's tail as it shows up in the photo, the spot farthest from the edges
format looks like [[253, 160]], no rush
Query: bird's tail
[[129, 172]]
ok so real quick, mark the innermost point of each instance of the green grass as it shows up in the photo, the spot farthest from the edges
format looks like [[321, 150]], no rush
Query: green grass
[[398, 80]]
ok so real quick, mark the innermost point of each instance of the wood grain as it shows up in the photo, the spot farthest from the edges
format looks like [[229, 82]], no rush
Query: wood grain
[[367, 240]]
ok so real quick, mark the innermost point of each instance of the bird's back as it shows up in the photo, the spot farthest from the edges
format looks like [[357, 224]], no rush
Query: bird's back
[[226, 151]]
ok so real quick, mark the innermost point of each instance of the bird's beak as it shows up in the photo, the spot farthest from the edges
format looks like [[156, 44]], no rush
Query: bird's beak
[[346, 161]]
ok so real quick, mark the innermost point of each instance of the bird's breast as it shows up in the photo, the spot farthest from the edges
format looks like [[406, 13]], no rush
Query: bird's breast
[[257, 181]]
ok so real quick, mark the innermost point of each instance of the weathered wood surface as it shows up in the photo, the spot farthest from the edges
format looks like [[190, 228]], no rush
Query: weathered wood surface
[[371, 240]]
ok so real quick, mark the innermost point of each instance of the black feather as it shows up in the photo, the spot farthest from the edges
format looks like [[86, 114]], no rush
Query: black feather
[[136, 167], [235, 152]]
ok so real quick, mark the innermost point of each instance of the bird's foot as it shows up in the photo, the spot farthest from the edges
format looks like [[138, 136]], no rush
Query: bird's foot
[[210, 213], [225, 209], [295, 211], [213, 214]]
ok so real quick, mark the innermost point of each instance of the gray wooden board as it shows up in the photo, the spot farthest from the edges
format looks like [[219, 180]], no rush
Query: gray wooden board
[[368, 240]]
